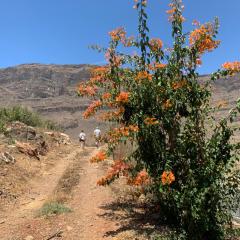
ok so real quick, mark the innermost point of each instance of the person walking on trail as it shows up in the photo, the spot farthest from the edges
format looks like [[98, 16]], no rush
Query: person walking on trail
[[82, 139], [97, 135]]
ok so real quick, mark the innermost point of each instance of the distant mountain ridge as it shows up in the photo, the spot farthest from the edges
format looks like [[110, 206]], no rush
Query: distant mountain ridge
[[42, 81]]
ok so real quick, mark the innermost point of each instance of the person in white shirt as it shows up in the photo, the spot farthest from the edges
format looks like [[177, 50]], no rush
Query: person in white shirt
[[97, 135], [82, 139]]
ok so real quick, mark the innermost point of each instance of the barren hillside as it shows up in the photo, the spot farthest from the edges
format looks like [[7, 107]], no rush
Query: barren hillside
[[49, 90]]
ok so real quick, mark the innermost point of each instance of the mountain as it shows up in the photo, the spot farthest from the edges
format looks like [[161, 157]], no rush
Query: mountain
[[51, 91]]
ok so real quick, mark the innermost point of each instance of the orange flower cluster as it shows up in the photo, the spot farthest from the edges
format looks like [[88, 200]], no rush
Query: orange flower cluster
[[156, 66], [233, 67], [160, 65], [167, 177], [118, 34], [117, 168], [133, 128], [112, 115], [141, 179], [123, 97], [99, 74], [167, 104], [129, 42], [172, 12], [143, 75], [202, 38], [179, 84], [100, 156], [151, 121], [117, 133], [87, 90], [155, 44], [106, 96], [92, 108]]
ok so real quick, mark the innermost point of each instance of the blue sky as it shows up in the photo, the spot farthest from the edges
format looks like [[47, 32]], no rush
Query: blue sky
[[60, 31]]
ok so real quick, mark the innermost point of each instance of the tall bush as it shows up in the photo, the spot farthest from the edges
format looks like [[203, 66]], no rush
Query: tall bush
[[159, 104]]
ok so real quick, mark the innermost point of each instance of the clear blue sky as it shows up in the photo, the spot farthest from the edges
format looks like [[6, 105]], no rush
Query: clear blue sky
[[60, 31]]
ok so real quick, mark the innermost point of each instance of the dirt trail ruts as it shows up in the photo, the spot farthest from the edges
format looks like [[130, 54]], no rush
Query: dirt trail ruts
[[41, 188], [84, 222]]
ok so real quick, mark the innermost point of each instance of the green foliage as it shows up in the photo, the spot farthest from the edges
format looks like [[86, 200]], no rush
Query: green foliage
[[53, 208], [23, 115]]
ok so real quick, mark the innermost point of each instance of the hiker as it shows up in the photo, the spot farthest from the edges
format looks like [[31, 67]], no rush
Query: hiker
[[97, 135], [82, 139]]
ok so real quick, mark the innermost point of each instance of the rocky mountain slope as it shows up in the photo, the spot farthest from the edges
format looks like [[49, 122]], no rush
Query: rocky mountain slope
[[50, 90]]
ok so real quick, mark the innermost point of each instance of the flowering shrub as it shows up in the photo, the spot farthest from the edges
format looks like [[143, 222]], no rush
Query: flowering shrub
[[159, 105]]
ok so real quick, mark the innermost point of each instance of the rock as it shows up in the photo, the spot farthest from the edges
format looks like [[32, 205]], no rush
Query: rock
[[60, 138], [27, 149], [29, 237], [2, 221], [43, 148], [19, 130], [7, 158]]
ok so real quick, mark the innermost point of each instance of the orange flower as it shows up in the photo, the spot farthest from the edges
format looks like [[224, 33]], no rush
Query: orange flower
[[160, 65], [171, 11], [233, 67], [155, 44], [123, 97], [182, 19], [92, 108], [167, 177], [129, 42], [133, 128], [106, 96], [141, 179], [199, 61], [202, 38], [117, 133], [118, 167], [99, 74], [151, 121], [112, 115], [179, 84], [87, 90], [144, 75], [100, 156], [167, 104], [118, 34]]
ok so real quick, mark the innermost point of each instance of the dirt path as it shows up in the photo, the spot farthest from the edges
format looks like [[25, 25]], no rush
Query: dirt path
[[85, 199], [41, 188]]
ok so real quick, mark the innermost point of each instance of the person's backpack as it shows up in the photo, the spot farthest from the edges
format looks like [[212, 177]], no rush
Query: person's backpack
[[82, 137]]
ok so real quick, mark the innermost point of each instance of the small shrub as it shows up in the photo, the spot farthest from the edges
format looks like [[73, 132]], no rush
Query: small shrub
[[53, 208], [21, 114]]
